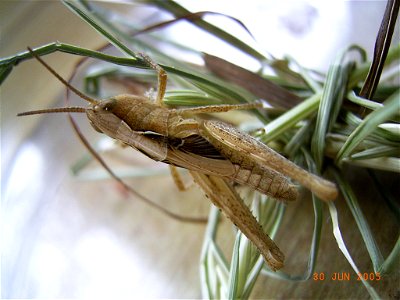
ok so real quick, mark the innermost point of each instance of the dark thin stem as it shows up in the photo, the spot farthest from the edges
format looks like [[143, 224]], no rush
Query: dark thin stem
[[382, 46]]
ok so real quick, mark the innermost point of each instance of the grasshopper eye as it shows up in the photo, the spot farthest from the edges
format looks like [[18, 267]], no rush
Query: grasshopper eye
[[109, 104]]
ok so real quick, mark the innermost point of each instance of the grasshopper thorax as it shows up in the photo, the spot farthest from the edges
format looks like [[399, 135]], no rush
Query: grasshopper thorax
[[138, 112]]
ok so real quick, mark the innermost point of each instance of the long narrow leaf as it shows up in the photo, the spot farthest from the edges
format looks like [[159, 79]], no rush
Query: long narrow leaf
[[331, 102], [99, 27], [391, 108], [179, 11], [205, 280], [291, 117], [391, 264], [376, 152], [234, 272], [362, 224], [343, 248]]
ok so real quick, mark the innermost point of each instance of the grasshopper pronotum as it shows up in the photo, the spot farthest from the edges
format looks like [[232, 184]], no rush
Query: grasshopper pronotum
[[215, 153]]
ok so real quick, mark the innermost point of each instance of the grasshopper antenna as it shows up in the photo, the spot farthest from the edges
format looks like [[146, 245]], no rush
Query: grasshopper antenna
[[73, 109], [76, 91]]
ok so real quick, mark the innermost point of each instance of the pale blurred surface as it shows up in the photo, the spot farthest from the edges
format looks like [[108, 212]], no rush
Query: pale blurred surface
[[65, 238]]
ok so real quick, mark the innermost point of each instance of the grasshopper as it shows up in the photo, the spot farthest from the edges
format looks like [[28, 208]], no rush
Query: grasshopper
[[216, 154]]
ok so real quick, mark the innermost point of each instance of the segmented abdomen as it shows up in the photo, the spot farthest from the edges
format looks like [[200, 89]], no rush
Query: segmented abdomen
[[266, 181]]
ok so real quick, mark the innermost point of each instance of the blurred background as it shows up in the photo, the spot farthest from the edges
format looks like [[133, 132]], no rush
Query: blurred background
[[68, 238]]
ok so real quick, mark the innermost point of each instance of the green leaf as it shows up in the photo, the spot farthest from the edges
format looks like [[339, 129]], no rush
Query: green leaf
[[391, 264], [369, 124], [290, 118], [342, 246], [362, 224], [331, 102]]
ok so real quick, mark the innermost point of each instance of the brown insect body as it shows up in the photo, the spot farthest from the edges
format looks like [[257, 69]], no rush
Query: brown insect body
[[167, 135], [213, 152], [171, 136]]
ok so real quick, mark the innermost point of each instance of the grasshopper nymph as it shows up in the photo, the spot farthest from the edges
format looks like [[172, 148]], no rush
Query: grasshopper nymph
[[215, 153]]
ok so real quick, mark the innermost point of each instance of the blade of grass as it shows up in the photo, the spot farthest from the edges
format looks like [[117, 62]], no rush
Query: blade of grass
[[257, 85], [269, 214], [385, 133], [363, 102], [390, 164], [179, 11], [376, 152], [362, 224], [369, 124], [272, 228], [99, 27], [316, 237], [305, 74], [9, 62], [190, 97], [391, 264], [206, 288], [234, 270], [299, 138], [220, 260], [331, 102], [342, 246], [290, 118], [200, 81], [318, 214], [391, 200], [361, 72]]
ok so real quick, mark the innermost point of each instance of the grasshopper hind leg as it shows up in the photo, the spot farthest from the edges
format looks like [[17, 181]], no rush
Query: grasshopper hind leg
[[224, 196]]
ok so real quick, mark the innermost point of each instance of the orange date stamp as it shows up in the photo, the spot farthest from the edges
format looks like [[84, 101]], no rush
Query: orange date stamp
[[346, 276]]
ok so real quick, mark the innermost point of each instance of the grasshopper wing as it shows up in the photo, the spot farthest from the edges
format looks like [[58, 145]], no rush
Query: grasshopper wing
[[197, 154]]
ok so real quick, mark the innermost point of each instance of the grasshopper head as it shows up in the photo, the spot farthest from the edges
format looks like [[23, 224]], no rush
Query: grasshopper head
[[101, 116]]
